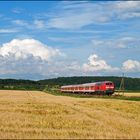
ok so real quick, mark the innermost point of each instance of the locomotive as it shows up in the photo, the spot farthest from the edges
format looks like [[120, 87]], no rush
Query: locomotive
[[101, 88]]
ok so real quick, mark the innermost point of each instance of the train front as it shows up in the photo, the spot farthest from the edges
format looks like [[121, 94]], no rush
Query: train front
[[110, 87]]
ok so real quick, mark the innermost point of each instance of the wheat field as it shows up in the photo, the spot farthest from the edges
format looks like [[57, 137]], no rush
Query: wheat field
[[134, 94], [34, 114]]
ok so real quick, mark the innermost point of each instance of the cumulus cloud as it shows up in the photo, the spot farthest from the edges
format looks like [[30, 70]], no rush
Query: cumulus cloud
[[131, 66], [95, 63], [29, 58], [28, 47], [99, 66]]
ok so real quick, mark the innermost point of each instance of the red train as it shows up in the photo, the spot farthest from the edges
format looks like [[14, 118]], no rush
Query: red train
[[102, 88]]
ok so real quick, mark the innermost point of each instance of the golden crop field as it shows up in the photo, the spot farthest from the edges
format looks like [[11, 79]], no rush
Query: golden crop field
[[136, 94], [34, 114], [128, 94]]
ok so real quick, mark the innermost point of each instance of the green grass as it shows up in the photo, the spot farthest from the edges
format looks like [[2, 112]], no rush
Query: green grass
[[119, 97]]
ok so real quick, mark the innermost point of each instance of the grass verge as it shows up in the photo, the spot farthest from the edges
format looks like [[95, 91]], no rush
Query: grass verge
[[119, 97]]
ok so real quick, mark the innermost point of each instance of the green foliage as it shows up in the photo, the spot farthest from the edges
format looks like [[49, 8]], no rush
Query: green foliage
[[54, 84], [20, 84], [130, 83]]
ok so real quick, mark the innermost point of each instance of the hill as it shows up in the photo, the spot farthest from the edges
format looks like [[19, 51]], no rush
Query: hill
[[20, 84], [130, 83]]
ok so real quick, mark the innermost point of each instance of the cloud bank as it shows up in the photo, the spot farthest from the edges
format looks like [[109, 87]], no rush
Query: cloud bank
[[131, 66], [21, 49], [27, 57], [77, 15], [32, 58]]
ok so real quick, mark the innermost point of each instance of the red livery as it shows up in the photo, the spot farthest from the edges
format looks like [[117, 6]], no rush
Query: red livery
[[104, 88]]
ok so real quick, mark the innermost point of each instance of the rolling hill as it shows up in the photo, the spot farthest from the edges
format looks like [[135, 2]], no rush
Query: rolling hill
[[130, 83]]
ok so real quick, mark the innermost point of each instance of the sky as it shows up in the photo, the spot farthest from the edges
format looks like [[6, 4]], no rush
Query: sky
[[48, 39]]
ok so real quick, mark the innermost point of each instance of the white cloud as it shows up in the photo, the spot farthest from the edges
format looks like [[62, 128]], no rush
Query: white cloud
[[127, 5], [70, 21], [23, 48], [124, 42], [8, 30], [39, 24], [126, 9], [74, 66], [97, 42], [20, 22], [29, 58], [130, 15], [17, 10], [131, 66], [96, 63], [36, 24], [77, 15]]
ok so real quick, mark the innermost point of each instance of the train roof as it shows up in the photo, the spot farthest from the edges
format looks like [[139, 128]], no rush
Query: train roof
[[87, 84]]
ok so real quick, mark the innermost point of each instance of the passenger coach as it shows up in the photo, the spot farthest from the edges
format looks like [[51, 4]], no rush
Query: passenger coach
[[104, 88]]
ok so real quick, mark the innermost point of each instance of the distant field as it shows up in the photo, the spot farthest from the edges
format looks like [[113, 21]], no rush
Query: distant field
[[136, 94], [34, 114]]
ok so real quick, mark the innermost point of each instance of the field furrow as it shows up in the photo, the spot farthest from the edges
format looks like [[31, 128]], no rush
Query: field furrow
[[34, 114]]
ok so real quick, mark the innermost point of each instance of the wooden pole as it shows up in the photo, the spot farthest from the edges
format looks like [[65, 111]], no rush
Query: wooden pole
[[123, 84], [121, 89]]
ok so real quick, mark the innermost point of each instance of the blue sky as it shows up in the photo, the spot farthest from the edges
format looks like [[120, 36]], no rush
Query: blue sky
[[49, 39]]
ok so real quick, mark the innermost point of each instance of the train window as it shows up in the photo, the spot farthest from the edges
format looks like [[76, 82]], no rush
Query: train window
[[80, 88], [86, 88], [108, 83]]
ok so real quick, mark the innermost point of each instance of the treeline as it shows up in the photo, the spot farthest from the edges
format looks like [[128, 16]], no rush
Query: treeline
[[130, 83], [20, 84]]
